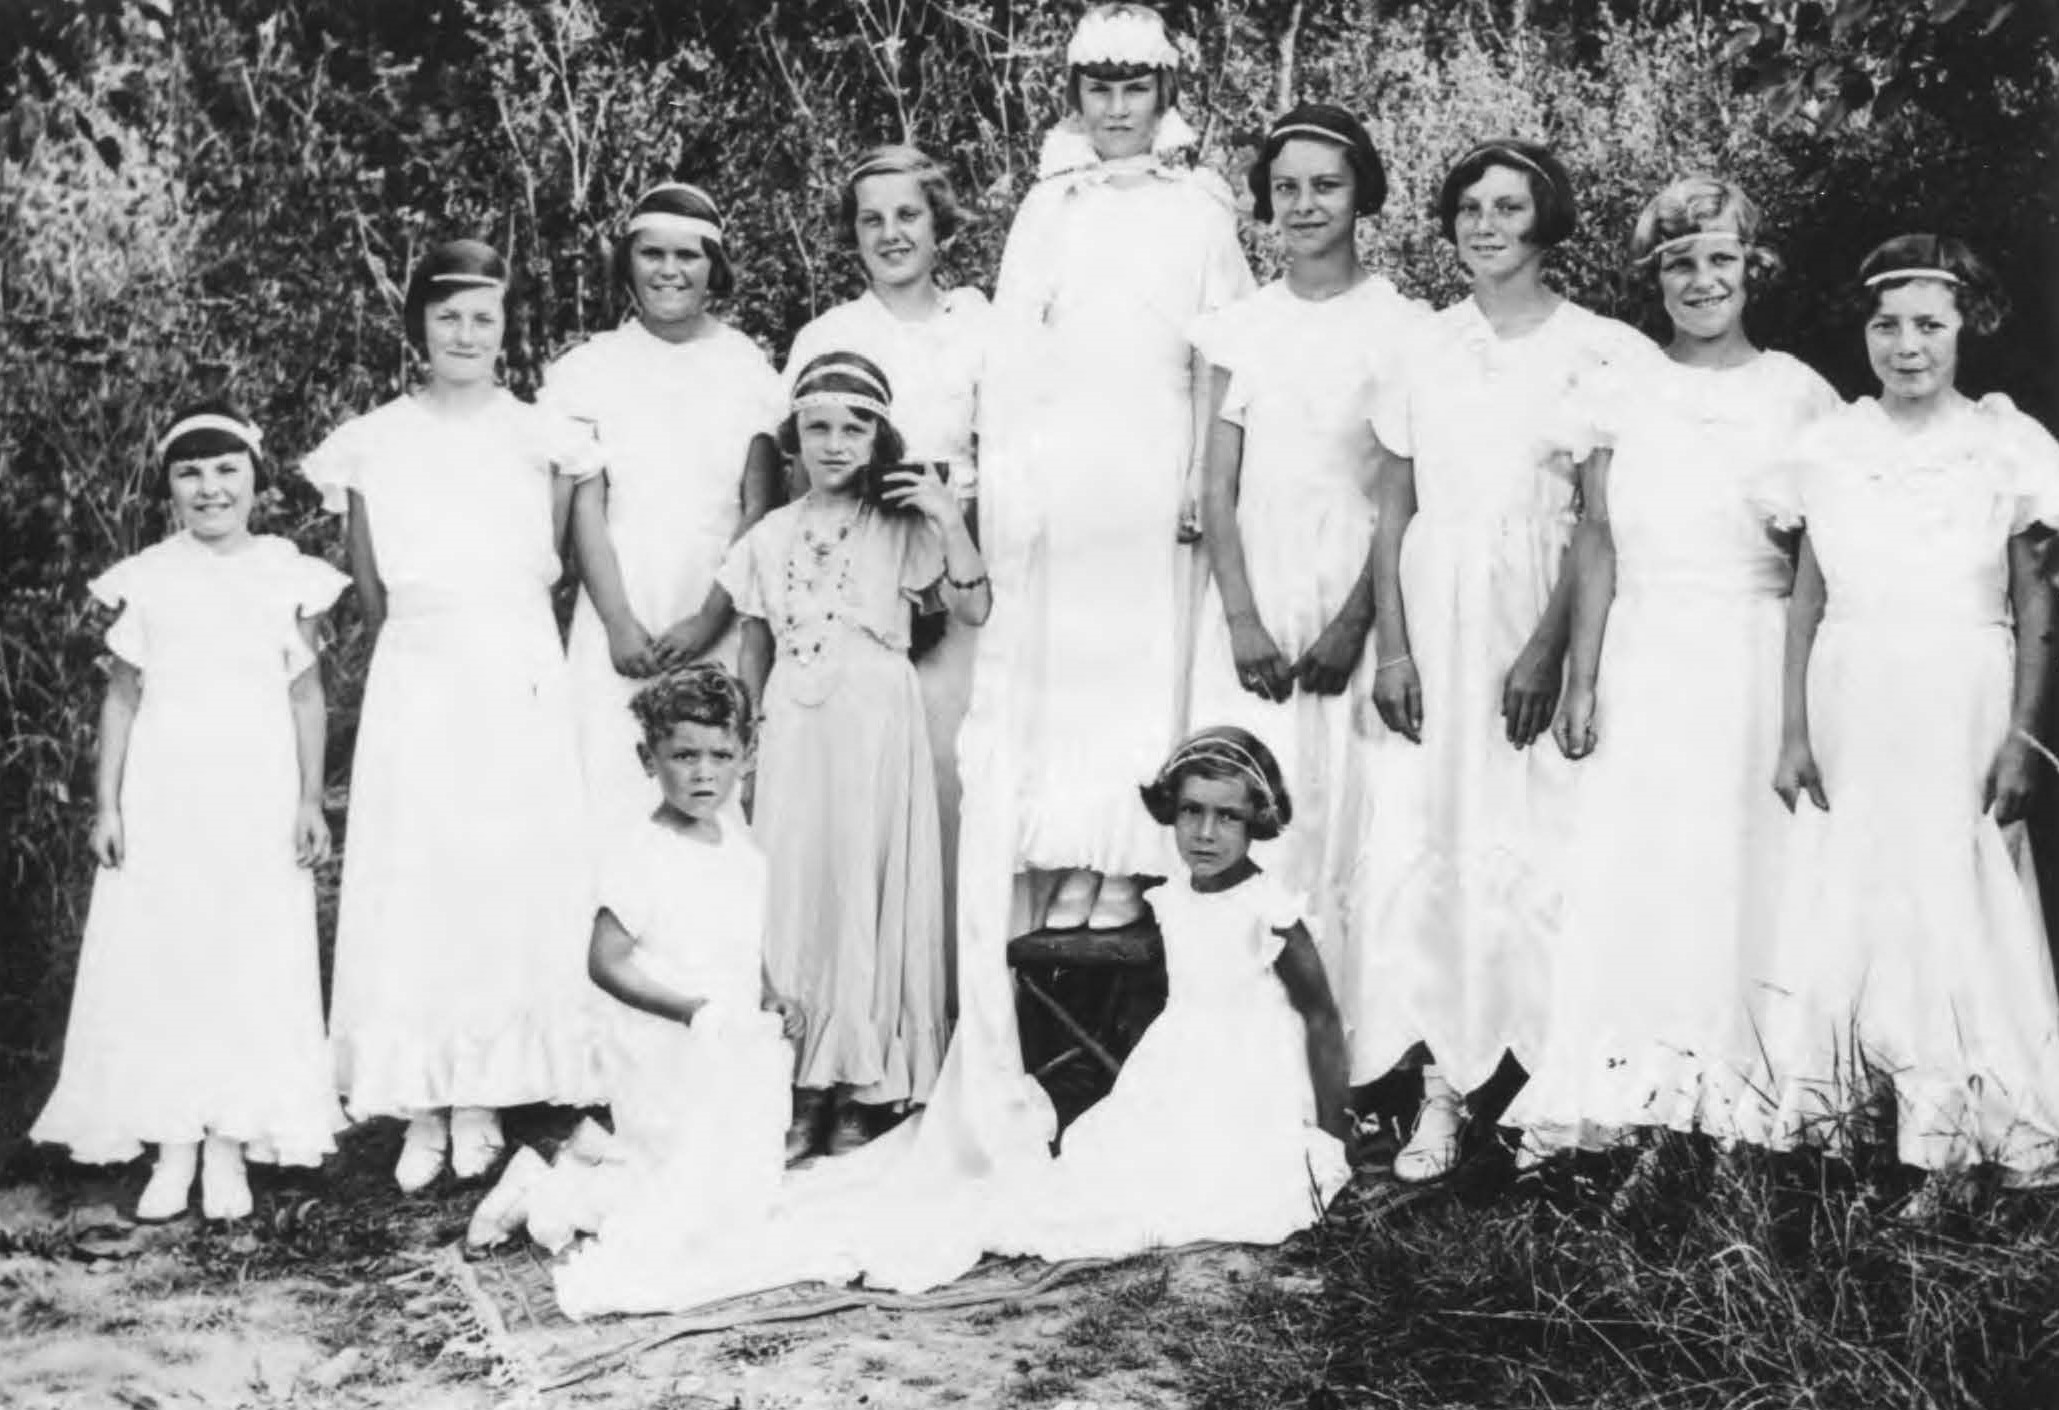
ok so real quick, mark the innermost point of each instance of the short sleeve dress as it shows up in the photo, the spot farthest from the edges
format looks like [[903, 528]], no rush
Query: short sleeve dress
[[1667, 926], [846, 800], [467, 889], [674, 422], [198, 1004], [1302, 375], [1910, 944], [1462, 873]]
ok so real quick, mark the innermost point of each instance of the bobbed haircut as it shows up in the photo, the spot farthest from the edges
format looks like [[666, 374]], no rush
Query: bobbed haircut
[[1331, 124], [704, 694], [945, 214], [1224, 753], [1551, 189], [854, 375], [449, 268], [1977, 293], [672, 198], [1696, 205], [207, 442]]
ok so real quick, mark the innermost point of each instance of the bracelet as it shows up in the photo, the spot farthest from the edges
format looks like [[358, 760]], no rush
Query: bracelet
[[1380, 666], [969, 584], [2038, 744]]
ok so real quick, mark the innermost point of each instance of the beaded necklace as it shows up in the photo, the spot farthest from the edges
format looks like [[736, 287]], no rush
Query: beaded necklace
[[818, 568]]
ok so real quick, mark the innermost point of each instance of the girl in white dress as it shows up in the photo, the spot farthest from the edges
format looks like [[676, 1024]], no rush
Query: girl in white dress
[[196, 1022], [1912, 957], [460, 950], [845, 801], [683, 406], [1286, 505], [1459, 890], [1666, 925], [1098, 404], [697, 1040], [897, 208]]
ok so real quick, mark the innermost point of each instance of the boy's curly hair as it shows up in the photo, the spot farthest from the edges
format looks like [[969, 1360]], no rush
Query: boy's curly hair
[[703, 694]]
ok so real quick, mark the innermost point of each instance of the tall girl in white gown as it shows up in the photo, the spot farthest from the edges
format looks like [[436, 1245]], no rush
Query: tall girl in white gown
[[1677, 708], [1094, 409], [461, 946], [1460, 883], [196, 1022], [1286, 505], [1912, 957], [683, 406], [897, 208]]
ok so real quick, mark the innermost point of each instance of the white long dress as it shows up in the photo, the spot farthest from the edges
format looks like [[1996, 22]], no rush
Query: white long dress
[[935, 366], [674, 422], [1674, 867], [467, 890], [1088, 450], [1459, 888], [1911, 948], [198, 1005], [1302, 378]]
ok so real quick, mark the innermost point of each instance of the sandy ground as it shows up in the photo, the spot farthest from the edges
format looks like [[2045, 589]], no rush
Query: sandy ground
[[337, 1294]]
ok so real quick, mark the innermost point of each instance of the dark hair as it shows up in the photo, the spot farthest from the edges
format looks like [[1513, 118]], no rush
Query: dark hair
[[1551, 190], [1368, 174], [1977, 294], [896, 160], [672, 198], [1696, 204], [445, 270], [703, 694], [205, 443], [1222, 752], [847, 372], [1168, 82]]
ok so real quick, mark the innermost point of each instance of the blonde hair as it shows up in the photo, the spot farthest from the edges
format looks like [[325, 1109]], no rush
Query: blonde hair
[[1694, 205]]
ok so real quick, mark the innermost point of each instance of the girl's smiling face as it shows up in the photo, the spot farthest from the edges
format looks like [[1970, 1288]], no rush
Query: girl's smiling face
[[696, 767], [213, 495], [668, 274], [1314, 196], [1494, 222], [1703, 284], [836, 446], [1912, 340], [1211, 825], [897, 235], [1120, 114], [463, 335]]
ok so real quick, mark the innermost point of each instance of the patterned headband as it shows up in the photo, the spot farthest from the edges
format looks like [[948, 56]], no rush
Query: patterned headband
[[855, 401], [211, 421]]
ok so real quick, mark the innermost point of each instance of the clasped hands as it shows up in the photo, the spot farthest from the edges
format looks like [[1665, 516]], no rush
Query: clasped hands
[[638, 654], [1324, 669]]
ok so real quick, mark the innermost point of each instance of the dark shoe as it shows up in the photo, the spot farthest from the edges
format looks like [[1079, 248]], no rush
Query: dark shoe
[[804, 1136]]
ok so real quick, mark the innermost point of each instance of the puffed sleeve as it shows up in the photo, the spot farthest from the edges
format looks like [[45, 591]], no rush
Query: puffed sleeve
[[306, 587], [336, 466], [120, 587], [570, 385], [622, 884], [2029, 460], [1225, 273], [1605, 374], [1277, 910], [922, 559], [1778, 491], [1223, 337], [1390, 406], [739, 575], [572, 447]]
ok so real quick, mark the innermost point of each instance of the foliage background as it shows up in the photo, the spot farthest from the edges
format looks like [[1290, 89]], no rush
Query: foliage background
[[226, 196]]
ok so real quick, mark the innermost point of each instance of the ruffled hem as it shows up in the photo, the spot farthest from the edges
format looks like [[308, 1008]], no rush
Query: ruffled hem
[[1607, 1106], [556, 1058], [99, 1141]]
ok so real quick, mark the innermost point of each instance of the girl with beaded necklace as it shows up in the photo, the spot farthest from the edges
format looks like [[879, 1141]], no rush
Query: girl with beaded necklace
[[846, 804]]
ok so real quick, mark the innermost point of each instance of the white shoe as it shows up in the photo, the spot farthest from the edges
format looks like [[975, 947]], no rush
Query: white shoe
[[224, 1186], [1120, 903], [506, 1206], [475, 1141], [421, 1153], [171, 1182], [1531, 1153], [1432, 1150], [1073, 902], [590, 1143]]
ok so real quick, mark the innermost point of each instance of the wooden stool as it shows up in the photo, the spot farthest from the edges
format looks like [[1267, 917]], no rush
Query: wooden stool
[[1131, 959]]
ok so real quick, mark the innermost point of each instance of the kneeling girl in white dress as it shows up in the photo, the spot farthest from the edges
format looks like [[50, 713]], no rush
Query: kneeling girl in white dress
[[1912, 958], [697, 1042], [196, 1022]]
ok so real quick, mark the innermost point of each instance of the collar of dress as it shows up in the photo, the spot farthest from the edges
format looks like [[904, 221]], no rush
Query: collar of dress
[[1068, 153]]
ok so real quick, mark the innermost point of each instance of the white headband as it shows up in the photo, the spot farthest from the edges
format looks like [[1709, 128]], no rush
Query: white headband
[[469, 281], [1308, 129], [1510, 154], [1126, 37], [855, 401], [1228, 751], [1942, 275], [674, 223], [211, 421], [1681, 242]]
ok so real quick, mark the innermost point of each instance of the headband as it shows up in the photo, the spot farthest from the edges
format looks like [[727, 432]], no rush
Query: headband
[[672, 222], [1944, 276], [855, 401], [469, 281], [1125, 37], [1679, 242], [1510, 154], [839, 367], [1308, 129], [1228, 751], [888, 163], [211, 421]]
